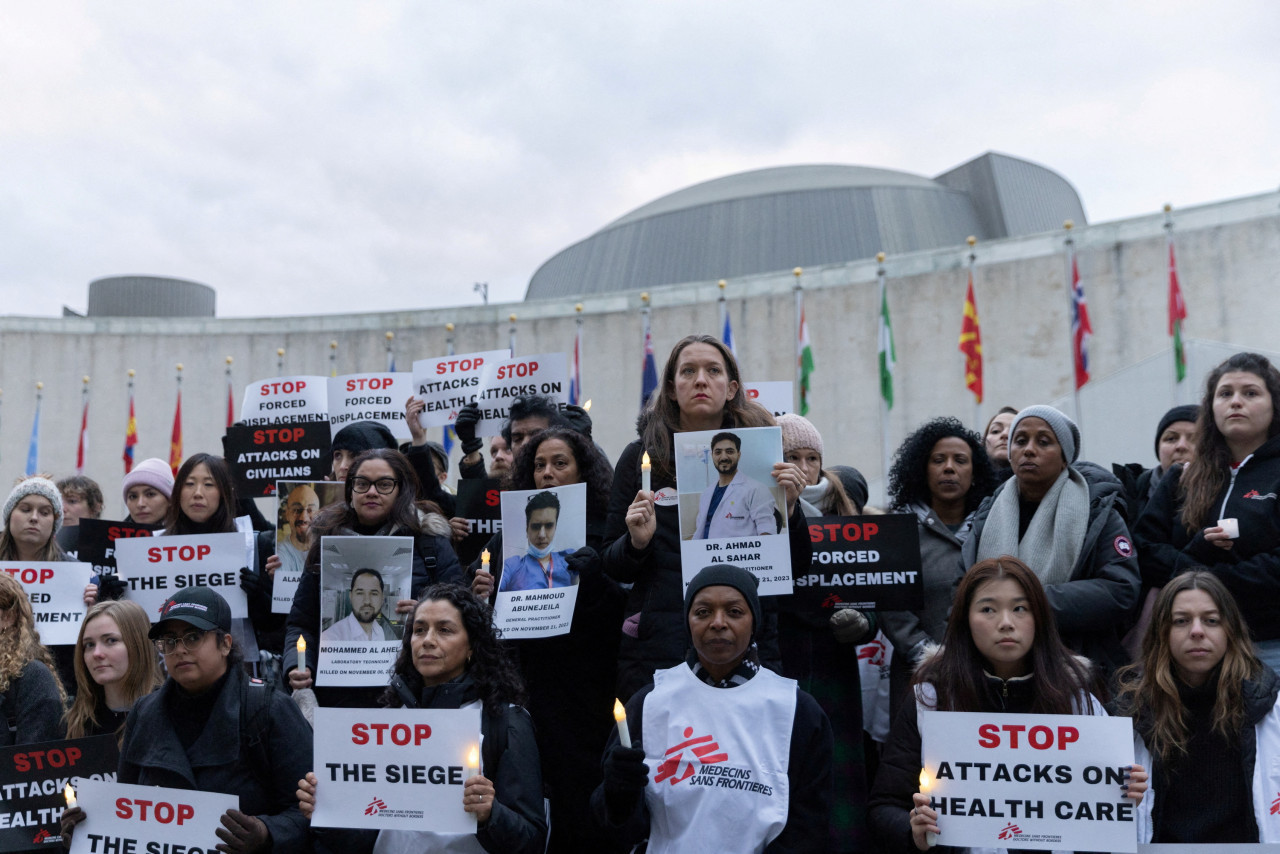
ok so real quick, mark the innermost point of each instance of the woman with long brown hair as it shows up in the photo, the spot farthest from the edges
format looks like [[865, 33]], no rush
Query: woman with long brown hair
[[1221, 512], [701, 389], [115, 664], [31, 695], [1204, 710]]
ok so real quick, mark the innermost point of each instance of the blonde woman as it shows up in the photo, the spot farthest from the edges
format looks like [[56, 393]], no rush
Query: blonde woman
[[115, 664], [31, 695]]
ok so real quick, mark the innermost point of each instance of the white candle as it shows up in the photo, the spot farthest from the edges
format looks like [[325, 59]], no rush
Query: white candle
[[473, 761], [620, 715], [1230, 527], [930, 838], [302, 651], [645, 470], [484, 561]]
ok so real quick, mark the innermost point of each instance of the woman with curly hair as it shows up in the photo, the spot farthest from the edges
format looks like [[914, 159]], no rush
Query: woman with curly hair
[[115, 664], [31, 695], [452, 659], [1204, 710], [570, 677], [1232, 478], [941, 473]]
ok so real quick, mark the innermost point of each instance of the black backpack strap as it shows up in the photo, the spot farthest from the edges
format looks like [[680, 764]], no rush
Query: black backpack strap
[[255, 719]]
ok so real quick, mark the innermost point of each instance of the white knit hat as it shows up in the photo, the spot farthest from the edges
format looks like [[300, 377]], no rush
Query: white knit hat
[[41, 486]]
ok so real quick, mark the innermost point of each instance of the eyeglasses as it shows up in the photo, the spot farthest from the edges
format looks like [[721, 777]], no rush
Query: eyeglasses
[[190, 641], [384, 485]]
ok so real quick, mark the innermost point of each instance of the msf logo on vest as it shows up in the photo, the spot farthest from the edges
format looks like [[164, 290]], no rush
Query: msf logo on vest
[[702, 749]]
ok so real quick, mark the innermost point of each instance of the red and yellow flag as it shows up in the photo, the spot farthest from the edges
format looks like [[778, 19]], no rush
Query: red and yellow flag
[[175, 442], [971, 344]]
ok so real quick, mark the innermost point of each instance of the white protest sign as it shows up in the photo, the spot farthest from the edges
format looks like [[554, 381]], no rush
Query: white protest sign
[[1029, 781], [537, 591], [546, 375], [732, 511], [361, 580], [371, 397], [281, 400], [449, 383], [124, 818], [394, 769], [158, 567], [777, 397], [56, 591]]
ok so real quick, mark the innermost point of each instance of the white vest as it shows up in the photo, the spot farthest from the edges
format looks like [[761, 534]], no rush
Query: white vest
[[718, 760], [425, 842]]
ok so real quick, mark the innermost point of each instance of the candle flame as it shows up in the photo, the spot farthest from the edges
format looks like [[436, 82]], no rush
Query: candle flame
[[619, 713], [473, 757], [924, 780], [586, 407], [484, 557], [302, 644], [644, 461], [70, 794]]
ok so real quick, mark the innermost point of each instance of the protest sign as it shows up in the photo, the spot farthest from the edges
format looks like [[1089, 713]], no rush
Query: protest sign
[[546, 375], [449, 383], [1029, 781], [56, 591], [537, 591], [259, 456], [361, 580], [731, 509], [123, 818], [867, 562], [32, 778], [777, 397], [284, 400], [297, 503], [158, 567], [479, 503], [98, 541], [376, 397], [395, 769]]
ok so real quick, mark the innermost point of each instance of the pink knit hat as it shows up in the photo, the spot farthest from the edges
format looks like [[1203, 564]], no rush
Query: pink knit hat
[[151, 472], [799, 432]]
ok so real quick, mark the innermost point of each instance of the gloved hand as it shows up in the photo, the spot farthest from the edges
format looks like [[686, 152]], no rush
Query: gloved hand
[[584, 560], [243, 834], [250, 583], [625, 776], [70, 818], [465, 428], [111, 587], [849, 625], [578, 419]]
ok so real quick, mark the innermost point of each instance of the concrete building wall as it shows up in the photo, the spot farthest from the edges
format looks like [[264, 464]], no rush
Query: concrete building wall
[[1228, 255]]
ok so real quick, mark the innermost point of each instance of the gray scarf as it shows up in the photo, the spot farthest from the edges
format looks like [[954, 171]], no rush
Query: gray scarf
[[1055, 536]]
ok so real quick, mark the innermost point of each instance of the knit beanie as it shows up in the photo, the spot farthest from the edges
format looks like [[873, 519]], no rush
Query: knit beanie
[[361, 436], [41, 486], [799, 432], [152, 472], [730, 576], [1189, 412], [1063, 427]]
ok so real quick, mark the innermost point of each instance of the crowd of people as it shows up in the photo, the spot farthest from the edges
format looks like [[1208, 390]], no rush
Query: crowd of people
[[1051, 585]]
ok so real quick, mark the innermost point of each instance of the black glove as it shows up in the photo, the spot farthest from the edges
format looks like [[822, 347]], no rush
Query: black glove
[[111, 587], [250, 583], [465, 428], [584, 561], [578, 419], [625, 776]]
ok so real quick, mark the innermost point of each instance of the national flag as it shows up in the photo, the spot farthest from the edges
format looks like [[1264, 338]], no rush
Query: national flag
[[391, 361], [130, 437], [82, 448], [804, 361], [175, 441], [971, 344], [888, 354], [231, 405], [33, 449], [648, 370], [1081, 330], [1177, 314], [575, 368], [726, 335]]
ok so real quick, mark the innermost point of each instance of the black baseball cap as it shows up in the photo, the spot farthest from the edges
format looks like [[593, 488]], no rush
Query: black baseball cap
[[201, 607]]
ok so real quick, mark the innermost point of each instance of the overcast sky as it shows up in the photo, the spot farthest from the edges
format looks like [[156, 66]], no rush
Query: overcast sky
[[318, 157]]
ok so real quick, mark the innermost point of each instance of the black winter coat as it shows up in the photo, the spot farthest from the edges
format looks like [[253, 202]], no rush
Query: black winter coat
[[657, 594], [1251, 568], [220, 761], [30, 708]]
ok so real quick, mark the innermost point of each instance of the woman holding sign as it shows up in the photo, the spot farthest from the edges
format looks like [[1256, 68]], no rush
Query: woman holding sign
[[1205, 715], [1001, 653], [453, 659], [701, 390], [31, 695]]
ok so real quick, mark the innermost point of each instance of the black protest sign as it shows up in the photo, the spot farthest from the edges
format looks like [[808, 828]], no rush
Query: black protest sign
[[32, 780], [866, 562], [98, 541], [259, 456], [479, 502]]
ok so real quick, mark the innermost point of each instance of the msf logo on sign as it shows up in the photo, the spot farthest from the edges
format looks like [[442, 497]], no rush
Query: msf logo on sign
[[704, 749], [1275, 805], [1010, 831], [376, 806], [42, 836]]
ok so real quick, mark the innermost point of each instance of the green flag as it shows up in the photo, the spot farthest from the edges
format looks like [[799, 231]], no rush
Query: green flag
[[805, 357], [888, 355]]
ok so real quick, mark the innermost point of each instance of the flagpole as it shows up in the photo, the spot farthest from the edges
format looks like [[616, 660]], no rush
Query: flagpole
[[231, 397], [130, 428], [798, 290], [977, 401], [33, 449], [1071, 306], [175, 438], [333, 358], [577, 358], [884, 402], [82, 450], [1177, 312], [511, 339]]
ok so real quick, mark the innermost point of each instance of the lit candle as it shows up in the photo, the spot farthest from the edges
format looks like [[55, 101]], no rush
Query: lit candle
[[473, 761], [930, 838], [620, 715], [71, 796], [586, 407], [302, 651], [645, 471], [484, 561]]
